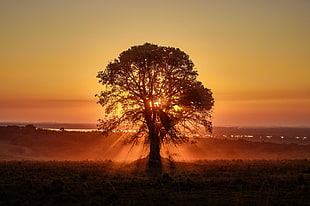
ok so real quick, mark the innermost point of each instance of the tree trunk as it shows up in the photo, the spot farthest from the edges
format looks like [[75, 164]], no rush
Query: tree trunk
[[154, 157], [154, 162]]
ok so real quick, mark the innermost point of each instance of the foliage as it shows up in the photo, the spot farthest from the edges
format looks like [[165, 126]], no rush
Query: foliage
[[154, 90]]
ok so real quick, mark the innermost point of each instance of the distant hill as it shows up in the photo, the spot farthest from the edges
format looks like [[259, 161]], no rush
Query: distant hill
[[36, 144], [298, 135]]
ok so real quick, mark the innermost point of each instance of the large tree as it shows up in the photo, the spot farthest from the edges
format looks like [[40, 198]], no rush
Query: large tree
[[153, 89]]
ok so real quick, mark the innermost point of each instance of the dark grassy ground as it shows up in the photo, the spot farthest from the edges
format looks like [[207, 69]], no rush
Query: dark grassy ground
[[219, 182]]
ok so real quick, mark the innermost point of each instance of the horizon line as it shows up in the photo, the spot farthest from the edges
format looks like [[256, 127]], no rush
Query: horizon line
[[22, 123]]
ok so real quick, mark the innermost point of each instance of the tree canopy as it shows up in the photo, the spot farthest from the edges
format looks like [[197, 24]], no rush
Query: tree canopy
[[153, 89]]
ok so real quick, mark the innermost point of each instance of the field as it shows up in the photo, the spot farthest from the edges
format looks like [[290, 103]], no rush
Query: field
[[28, 143], [42, 167], [218, 182]]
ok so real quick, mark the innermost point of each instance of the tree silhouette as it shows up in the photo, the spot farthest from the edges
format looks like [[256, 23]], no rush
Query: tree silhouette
[[154, 90]]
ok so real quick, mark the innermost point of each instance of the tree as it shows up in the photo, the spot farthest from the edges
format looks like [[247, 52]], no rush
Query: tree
[[154, 90]]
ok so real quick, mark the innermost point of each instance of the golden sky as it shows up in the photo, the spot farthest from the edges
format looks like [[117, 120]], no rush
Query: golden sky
[[254, 55]]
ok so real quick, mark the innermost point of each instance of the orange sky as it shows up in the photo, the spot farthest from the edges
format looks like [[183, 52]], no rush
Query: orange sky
[[254, 55]]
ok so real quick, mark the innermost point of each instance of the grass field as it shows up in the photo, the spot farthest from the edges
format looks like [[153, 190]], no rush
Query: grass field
[[218, 182]]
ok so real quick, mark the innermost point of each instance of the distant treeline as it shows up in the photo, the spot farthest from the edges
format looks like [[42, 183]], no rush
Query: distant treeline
[[15, 128], [52, 125], [263, 131]]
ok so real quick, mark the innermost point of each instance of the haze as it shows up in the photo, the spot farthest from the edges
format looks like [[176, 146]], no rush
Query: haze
[[254, 55]]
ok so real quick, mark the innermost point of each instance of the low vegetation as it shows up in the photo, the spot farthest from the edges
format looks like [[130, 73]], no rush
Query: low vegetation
[[218, 182]]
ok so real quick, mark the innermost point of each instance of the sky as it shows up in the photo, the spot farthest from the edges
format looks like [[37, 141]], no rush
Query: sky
[[253, 55]]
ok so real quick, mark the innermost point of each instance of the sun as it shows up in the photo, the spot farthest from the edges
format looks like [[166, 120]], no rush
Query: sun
[[156, 103]]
